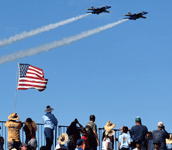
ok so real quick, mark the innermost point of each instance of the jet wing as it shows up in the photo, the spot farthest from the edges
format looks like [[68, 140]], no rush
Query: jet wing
[[107, 11], [129, 14], [89, 9], [143, 17]]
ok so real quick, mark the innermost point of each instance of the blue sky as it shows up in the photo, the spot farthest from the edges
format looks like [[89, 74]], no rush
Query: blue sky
[[117, 74]]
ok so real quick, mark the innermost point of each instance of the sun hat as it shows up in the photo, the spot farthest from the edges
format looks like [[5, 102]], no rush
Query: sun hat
[[63, 138], [13, 116], [169, 141], [108, 127], [49, 109], [138, 119], [160, 124]]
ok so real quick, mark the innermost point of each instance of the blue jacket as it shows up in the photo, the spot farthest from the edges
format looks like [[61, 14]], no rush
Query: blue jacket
[[49, 121]]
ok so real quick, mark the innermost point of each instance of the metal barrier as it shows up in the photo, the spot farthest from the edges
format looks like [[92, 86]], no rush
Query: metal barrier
[[39, 135], [63, 129]]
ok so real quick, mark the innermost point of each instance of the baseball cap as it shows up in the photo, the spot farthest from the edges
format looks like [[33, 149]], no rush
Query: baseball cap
[[79, 142], [138, 119], [160, 124]]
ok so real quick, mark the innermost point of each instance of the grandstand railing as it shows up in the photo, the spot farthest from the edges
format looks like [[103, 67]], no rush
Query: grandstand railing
[[58, 131]]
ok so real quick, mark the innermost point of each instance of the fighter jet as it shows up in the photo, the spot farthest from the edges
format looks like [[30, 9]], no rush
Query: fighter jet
[[136, 16], [99, 10]]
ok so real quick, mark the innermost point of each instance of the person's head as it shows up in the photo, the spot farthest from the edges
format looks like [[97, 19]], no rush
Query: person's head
[[63, 138], [29, 120], [125, 129], [157, 144], [13, 117], [49, 109], [79, 143], [138, 144], [160, 125], [43, 148], [138, 121], [92, 118], [23, 146]]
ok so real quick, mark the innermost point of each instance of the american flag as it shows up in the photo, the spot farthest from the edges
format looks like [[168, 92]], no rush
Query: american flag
[[31, 77]]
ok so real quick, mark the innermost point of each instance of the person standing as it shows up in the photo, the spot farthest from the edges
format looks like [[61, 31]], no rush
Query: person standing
[[108, 137], [138, 134], [94, 129], [30, 131], [74, 134], [160, 136], [50, 122], [124, 141], [13, 127]]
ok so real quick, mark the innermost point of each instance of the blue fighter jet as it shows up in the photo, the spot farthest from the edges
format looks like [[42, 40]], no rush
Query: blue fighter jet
[[136, 16], [99, 10]]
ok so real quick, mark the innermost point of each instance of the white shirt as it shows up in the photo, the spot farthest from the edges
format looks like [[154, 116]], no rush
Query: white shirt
[[105, 143]]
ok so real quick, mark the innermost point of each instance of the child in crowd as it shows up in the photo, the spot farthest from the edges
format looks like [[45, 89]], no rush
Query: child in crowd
[[79, 144], [124, 140], [43, 148], [63, 138], [157, 145], [84, 137]]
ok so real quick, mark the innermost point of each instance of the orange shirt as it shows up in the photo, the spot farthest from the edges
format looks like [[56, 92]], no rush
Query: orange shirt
[[13, 130]]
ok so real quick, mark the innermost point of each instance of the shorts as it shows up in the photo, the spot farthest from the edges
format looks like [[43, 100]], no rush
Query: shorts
[[31, 142], [14, 145]]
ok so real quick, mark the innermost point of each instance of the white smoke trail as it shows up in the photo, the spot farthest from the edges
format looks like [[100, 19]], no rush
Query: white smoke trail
[[56, 44], [25, 34]]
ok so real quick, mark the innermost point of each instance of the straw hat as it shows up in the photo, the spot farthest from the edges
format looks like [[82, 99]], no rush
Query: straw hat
[[13, 116], [49, 109], [169, 141], [108, 127], [63, 138]]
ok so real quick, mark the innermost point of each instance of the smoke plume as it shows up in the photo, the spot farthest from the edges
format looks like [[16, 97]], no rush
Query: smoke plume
[[25, 34], [56, 44]]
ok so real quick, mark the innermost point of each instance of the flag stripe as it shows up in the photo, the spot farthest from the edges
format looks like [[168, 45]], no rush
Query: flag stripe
[[29, 85], [36, 68], [25, 88], [33, 77], [28, 79], [41, 82], [34, 72]]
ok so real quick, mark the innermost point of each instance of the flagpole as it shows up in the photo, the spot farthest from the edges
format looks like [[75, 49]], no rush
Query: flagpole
[[16, 89]]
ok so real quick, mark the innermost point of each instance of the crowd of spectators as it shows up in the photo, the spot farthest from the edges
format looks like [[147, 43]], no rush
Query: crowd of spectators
[[85, 137]]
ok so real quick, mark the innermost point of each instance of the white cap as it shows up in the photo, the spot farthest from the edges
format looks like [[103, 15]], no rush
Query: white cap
[[160, 124]]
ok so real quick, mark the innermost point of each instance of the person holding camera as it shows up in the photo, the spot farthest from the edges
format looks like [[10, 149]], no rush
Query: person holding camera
[[160, 136], [14, 127]]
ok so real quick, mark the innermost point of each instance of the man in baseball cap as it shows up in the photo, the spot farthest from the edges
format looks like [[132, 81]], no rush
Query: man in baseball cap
[[160, 136], [138, 133]]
